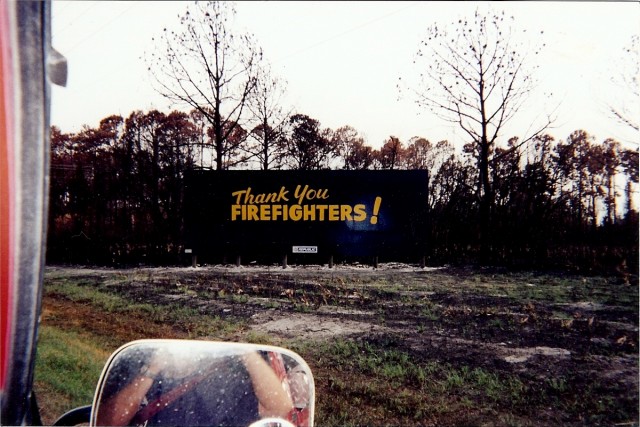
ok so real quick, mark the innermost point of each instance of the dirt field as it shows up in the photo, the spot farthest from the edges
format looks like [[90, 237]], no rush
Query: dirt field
[[572, 342]]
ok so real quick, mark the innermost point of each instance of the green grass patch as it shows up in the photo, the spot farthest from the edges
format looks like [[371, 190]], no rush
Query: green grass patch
[[77, 291], [68, 366], [192, 321], [396, 387]]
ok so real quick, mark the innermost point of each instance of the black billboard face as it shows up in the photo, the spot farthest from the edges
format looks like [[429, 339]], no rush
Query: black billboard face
[[325, 213]]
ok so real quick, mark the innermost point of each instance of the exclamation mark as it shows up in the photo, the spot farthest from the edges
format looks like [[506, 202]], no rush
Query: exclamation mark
[[376, 209]]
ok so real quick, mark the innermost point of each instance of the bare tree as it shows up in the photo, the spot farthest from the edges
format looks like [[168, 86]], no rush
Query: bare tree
[[269, 117], [629, 159], [474, 73], [210, 68], [627, 80], [611, 158]]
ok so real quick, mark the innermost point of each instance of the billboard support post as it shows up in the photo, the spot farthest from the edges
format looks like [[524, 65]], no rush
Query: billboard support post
[[284, 261]]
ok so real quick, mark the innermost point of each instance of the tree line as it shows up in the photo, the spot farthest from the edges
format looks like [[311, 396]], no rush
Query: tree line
[[116, 190]]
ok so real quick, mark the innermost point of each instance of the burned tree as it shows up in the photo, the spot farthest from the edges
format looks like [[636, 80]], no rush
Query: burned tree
[[266, 143], [475, 74], [210, 68]]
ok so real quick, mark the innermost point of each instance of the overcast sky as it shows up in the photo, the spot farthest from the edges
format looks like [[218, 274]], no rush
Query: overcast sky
[[342, 61]]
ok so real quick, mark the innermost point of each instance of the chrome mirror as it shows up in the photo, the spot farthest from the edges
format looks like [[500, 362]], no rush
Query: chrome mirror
[[204, 383]]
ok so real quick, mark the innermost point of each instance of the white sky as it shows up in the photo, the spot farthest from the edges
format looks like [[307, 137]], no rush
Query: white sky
[[342, 60]]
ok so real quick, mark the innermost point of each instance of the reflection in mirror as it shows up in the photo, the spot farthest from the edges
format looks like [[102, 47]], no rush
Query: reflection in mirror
[[201, 383], [272, 422]]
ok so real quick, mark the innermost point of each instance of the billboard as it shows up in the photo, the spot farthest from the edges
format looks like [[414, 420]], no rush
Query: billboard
[[322, 214]]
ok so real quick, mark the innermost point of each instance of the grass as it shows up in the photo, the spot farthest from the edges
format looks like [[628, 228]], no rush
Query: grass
[[181, 316], [71, 356], [411, 390], [77, 291], [379, 381], [372, 381], [68, 365]]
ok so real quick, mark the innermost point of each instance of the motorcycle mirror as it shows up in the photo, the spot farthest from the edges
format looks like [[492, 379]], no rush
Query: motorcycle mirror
[[197, 383]]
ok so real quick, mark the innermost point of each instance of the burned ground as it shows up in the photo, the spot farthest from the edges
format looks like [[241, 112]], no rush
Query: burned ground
[[567, 346]]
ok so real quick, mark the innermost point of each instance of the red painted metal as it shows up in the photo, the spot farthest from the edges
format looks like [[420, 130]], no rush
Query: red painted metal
[[6, 190]]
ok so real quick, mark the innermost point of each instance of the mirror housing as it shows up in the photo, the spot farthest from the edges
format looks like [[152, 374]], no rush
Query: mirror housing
[[190, 383]]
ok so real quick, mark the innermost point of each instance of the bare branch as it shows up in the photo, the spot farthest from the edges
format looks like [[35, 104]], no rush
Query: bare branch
[[210, 67]]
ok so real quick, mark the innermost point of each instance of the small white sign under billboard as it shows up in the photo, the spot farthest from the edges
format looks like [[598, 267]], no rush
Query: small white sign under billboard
[[305, 249]]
